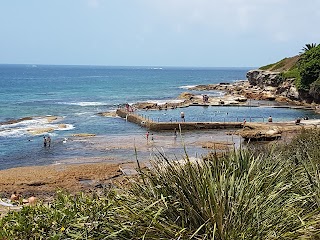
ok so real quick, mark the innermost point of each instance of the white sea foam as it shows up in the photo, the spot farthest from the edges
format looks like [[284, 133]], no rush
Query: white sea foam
[[82, 113], [84, 104], [187, 86], [36, 126], [11, 133], [25, 123], [162, 102]]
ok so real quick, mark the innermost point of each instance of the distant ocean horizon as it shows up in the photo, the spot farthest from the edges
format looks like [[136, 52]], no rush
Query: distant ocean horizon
[[77, 93]]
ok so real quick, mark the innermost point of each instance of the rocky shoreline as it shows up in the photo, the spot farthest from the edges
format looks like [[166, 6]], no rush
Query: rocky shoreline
[[261, 88], [238, 93]]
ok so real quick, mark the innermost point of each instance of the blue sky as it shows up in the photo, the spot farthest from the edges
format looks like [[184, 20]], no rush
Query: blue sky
[[199, 33]]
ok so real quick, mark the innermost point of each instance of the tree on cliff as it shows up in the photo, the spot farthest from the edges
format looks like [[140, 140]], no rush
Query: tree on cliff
[[309, 68], [308, 46]]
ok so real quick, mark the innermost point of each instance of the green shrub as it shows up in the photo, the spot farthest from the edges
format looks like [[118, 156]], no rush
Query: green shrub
[[309, 67], [292, 73]]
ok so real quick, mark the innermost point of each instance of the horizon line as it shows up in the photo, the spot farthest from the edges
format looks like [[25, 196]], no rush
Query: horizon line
[[125, 66]]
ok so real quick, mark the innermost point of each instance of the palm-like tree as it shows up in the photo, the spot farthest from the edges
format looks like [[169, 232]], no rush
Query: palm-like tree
[[308, 46]]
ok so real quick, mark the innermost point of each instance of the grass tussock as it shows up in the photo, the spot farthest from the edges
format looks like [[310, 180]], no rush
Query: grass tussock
[[272, 193]]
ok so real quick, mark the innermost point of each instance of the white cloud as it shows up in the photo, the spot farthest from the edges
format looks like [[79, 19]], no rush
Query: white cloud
[[279, 20]]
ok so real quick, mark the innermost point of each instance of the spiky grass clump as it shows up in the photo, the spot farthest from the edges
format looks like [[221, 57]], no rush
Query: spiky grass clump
[[239, 196]]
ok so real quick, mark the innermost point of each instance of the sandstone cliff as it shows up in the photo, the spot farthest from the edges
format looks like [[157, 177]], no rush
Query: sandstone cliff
[[274, 82], [268, 80]]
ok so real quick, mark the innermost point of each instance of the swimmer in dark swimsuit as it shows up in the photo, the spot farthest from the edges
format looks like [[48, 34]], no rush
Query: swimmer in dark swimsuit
[[44, 141]]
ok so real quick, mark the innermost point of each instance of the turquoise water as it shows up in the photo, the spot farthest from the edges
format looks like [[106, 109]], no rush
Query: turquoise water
[[77, 93], [229, 114]]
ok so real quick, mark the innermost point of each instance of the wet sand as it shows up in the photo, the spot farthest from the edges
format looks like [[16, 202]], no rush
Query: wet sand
[[44, 181]]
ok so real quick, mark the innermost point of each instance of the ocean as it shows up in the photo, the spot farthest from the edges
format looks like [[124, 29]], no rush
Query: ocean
[[76, 94]]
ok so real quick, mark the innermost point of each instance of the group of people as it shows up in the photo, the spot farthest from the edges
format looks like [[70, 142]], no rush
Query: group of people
[[175, 134], [129, 108], [269, 120], [205, 98], [147, 136], [298, 120], [15, 197], [46, 141]]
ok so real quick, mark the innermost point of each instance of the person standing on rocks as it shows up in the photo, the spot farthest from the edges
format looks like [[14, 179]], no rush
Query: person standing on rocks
[[270, 119]]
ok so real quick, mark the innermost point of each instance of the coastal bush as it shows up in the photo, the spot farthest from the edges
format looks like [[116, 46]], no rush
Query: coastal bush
[[270, 193], [291, 73], [110, 215], [309, 67]]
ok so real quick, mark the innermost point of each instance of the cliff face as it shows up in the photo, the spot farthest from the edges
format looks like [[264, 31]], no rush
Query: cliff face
[[263, 78], [285, 88]]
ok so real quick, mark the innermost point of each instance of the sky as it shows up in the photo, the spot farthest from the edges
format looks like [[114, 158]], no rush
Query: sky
[[186, 33]]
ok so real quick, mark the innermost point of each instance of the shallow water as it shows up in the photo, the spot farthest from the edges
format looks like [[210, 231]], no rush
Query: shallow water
[[228, 114], [77, 93]]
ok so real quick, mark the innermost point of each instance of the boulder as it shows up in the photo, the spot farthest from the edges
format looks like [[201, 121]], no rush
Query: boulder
[[37, 131], [107, 114], [145, 105], [186, 95], [260, 135], [241, 99]]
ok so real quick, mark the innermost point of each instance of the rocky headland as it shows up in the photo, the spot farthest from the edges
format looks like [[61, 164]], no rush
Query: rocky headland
[[276, 83], [260, 85]]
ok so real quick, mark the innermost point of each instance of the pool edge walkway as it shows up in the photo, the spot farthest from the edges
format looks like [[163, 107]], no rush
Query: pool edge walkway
[[162, 126]]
